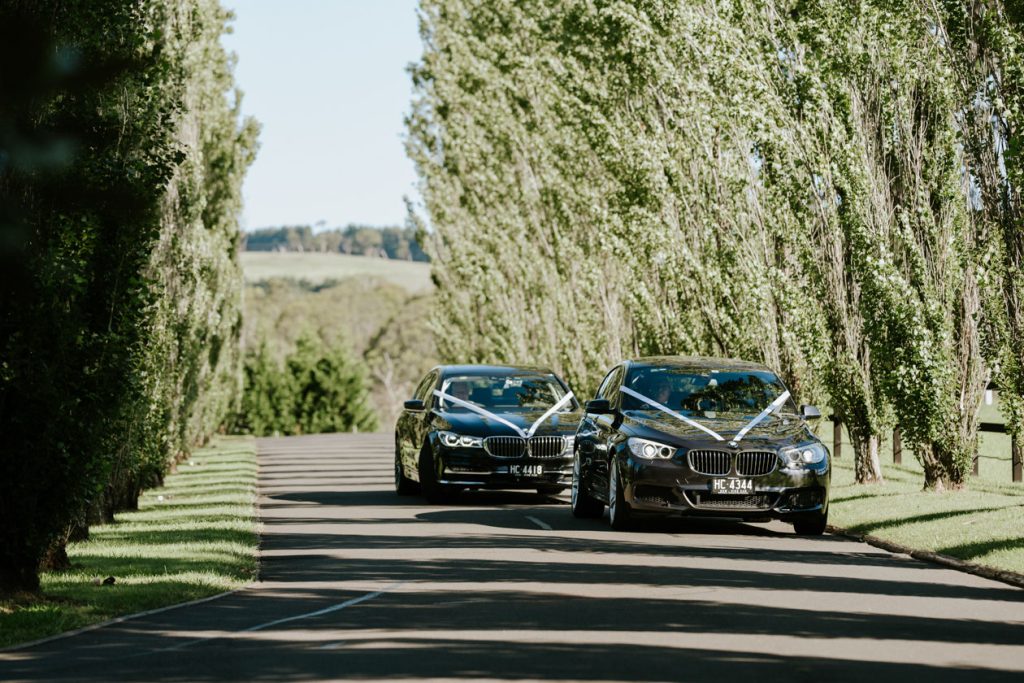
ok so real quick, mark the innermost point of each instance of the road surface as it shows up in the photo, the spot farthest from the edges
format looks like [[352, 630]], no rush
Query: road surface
[[360, 584]]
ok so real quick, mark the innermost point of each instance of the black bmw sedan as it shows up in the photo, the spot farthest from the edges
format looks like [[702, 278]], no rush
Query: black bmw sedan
[[699, 436], [486, 426]]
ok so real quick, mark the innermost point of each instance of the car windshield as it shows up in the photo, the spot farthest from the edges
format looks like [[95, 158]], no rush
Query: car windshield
[[505, 393], [728, 394]]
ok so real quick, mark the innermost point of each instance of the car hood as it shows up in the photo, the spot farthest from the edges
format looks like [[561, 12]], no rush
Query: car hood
[[771, 432], [474, 424]]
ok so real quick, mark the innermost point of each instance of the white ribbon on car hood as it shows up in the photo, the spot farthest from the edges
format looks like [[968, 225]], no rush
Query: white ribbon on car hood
[[486, 413], [764, 413], [551, 411], [739, 435]]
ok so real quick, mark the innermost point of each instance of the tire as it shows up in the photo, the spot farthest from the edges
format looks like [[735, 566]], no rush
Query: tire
[[549, 490], [620, 515], [404, 486], [812, 526], [433, 491], [584, 506]]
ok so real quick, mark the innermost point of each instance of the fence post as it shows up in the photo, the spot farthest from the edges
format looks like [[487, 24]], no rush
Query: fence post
[[977, 459], [837, 437], [1016, 457], [897, 446]]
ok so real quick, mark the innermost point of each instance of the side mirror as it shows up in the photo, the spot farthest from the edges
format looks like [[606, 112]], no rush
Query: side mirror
[[810, 412], [414, 404], [600, 406]]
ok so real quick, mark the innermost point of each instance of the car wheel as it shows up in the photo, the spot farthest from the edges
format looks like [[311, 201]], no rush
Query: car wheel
[[811, 526], [433, 491], [404, 486], [584, 506], [620, 515]]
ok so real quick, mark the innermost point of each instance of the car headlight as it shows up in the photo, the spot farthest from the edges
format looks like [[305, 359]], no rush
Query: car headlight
[[808, 454], [649, 450], [453, 440]]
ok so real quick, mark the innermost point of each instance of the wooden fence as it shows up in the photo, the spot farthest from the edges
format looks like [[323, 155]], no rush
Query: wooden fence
[[1016, 449]]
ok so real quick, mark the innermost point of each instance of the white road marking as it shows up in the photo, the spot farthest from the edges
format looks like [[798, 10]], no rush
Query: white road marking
[[543, 525], [297, 617]]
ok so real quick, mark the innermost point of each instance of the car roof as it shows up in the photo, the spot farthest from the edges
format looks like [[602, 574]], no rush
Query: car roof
[[473, 370], [696, 363]]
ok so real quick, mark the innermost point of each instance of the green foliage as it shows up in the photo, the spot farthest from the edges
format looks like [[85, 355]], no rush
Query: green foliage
[[122, 159], [780, 180], [318, 389], [387, 242], [382, 324]]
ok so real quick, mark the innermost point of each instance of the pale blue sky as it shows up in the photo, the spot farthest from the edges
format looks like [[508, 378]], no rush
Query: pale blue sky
[[327, 80]]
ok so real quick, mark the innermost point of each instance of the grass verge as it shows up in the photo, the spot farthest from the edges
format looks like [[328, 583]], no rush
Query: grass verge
[[980, 524], [194, 537]]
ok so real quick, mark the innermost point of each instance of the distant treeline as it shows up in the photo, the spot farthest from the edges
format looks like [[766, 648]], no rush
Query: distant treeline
[[362, 240]]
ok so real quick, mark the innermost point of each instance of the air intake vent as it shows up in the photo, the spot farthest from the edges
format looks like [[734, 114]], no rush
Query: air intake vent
[[756, 463], [505, 446], [718, 501], [712, 463]]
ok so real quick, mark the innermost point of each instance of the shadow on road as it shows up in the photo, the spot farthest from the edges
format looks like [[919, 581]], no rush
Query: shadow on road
[[370, 585]]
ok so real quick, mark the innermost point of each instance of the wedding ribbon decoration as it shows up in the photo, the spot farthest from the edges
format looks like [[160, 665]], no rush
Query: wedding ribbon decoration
[[486, 413], [669, 411], [764, 413], [739, 435], [551, 411]]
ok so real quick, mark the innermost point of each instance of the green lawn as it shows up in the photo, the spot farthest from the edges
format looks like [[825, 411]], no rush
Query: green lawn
[[982, 524], [413, 276], [193, 538]]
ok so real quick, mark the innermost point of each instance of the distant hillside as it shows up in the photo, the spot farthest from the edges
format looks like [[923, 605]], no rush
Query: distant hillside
[[318, 268], [360, 240]]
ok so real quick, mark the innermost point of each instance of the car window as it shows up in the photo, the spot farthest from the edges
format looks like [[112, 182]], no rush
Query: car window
[[610, 385], [423, 390], [707, 393], [506, 392]]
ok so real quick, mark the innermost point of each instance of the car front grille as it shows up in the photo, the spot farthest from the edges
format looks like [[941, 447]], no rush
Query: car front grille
[[505, 446], [546, 446], [755, 463], [719, 501], [540, 447], [720, 463], [712, 463]]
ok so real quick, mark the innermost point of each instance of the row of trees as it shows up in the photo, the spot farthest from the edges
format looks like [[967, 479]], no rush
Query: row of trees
[[122, 153], [387, 242], [829, 187]]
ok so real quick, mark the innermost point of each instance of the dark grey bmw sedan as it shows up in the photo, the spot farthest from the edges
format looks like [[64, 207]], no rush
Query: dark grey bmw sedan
[[699, 436]]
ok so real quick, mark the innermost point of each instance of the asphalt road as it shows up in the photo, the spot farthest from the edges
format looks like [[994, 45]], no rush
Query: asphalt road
[[360, 584]]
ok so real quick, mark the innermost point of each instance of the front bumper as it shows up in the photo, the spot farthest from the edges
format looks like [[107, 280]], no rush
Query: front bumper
[[670, 486], [475, 468]]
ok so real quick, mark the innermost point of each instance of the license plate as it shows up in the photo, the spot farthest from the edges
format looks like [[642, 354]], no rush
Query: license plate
[[525, 470], [738, 486]]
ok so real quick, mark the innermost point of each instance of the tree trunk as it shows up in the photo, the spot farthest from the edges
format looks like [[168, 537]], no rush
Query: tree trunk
[[934, 475], [867, 468], [18, 575], [56, 558]]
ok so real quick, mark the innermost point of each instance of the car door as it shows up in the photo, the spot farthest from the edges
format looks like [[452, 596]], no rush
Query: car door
[[593, 437], [413, 425]]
